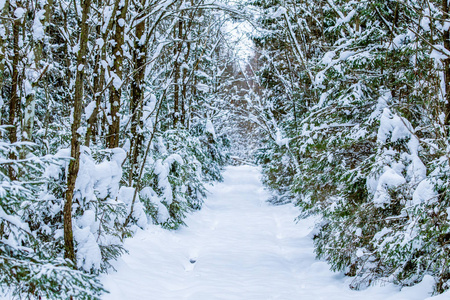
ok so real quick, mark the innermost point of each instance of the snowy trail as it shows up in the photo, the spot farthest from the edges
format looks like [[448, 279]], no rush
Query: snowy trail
[[236, 247]]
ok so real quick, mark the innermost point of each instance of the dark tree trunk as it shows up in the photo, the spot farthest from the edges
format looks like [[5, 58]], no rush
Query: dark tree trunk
[[136, 102], [14, 101], [116, 91], [74, 164], [176, 92], [446, 64], [98, 85]]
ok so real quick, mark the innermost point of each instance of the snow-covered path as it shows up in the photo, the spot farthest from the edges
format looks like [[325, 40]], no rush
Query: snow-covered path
[[236, 247]]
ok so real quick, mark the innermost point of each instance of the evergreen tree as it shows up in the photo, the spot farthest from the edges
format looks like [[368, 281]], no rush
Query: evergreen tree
[[371, 135]]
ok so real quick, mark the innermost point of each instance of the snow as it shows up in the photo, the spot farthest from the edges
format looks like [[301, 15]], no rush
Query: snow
[[13, 220], [439, 52], [149, 194], [100, 42], [28, 88], [202, 87], [346, 19], [425, 23], [446, 26], [444, 296], [328, 57], [395, 128], [38, 29], [89, 109], [398, 41], [280, 11], [424, 193], [97, 181], [88, 252], [279, 138], [237, 247], [19, 12], [107, 14], [126, 195], [345, 55], [329, 62], [391, 124], [389, 179], [210, 128], [117, 82]]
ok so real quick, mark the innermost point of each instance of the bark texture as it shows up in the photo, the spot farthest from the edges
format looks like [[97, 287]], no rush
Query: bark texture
[[69, 249]]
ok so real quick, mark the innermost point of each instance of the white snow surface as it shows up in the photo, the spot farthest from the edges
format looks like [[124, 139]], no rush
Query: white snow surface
[[237, 247]]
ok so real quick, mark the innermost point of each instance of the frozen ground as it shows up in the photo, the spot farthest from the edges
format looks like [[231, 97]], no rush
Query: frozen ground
[[237, 247]]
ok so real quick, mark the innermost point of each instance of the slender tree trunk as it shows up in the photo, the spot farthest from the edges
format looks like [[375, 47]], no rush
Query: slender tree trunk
[[176, 92], [117, 72], [14, 101], [74, 164], [48, 10], [30, 101], [98, 85], [446, 64], [66, 99], [136, 102], [185, 87], [184, 104], [28, 123]]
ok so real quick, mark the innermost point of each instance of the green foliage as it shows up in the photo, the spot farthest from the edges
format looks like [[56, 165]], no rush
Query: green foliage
[[31, 262], [181, 162], [278, 172], [371, 142], [35, 276]]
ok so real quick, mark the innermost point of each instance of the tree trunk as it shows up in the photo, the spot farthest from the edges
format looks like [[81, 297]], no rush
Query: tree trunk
[[74, 164], [14, 101], [98, 85], [176, 92], [117, 72], [446, 64], [28, 123], [185, 86], [136, 102]]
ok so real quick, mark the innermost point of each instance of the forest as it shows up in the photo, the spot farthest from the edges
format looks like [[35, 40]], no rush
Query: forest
[[117, 114]]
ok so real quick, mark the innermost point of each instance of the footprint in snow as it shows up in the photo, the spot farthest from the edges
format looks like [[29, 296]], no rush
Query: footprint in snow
[[189, 267]]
